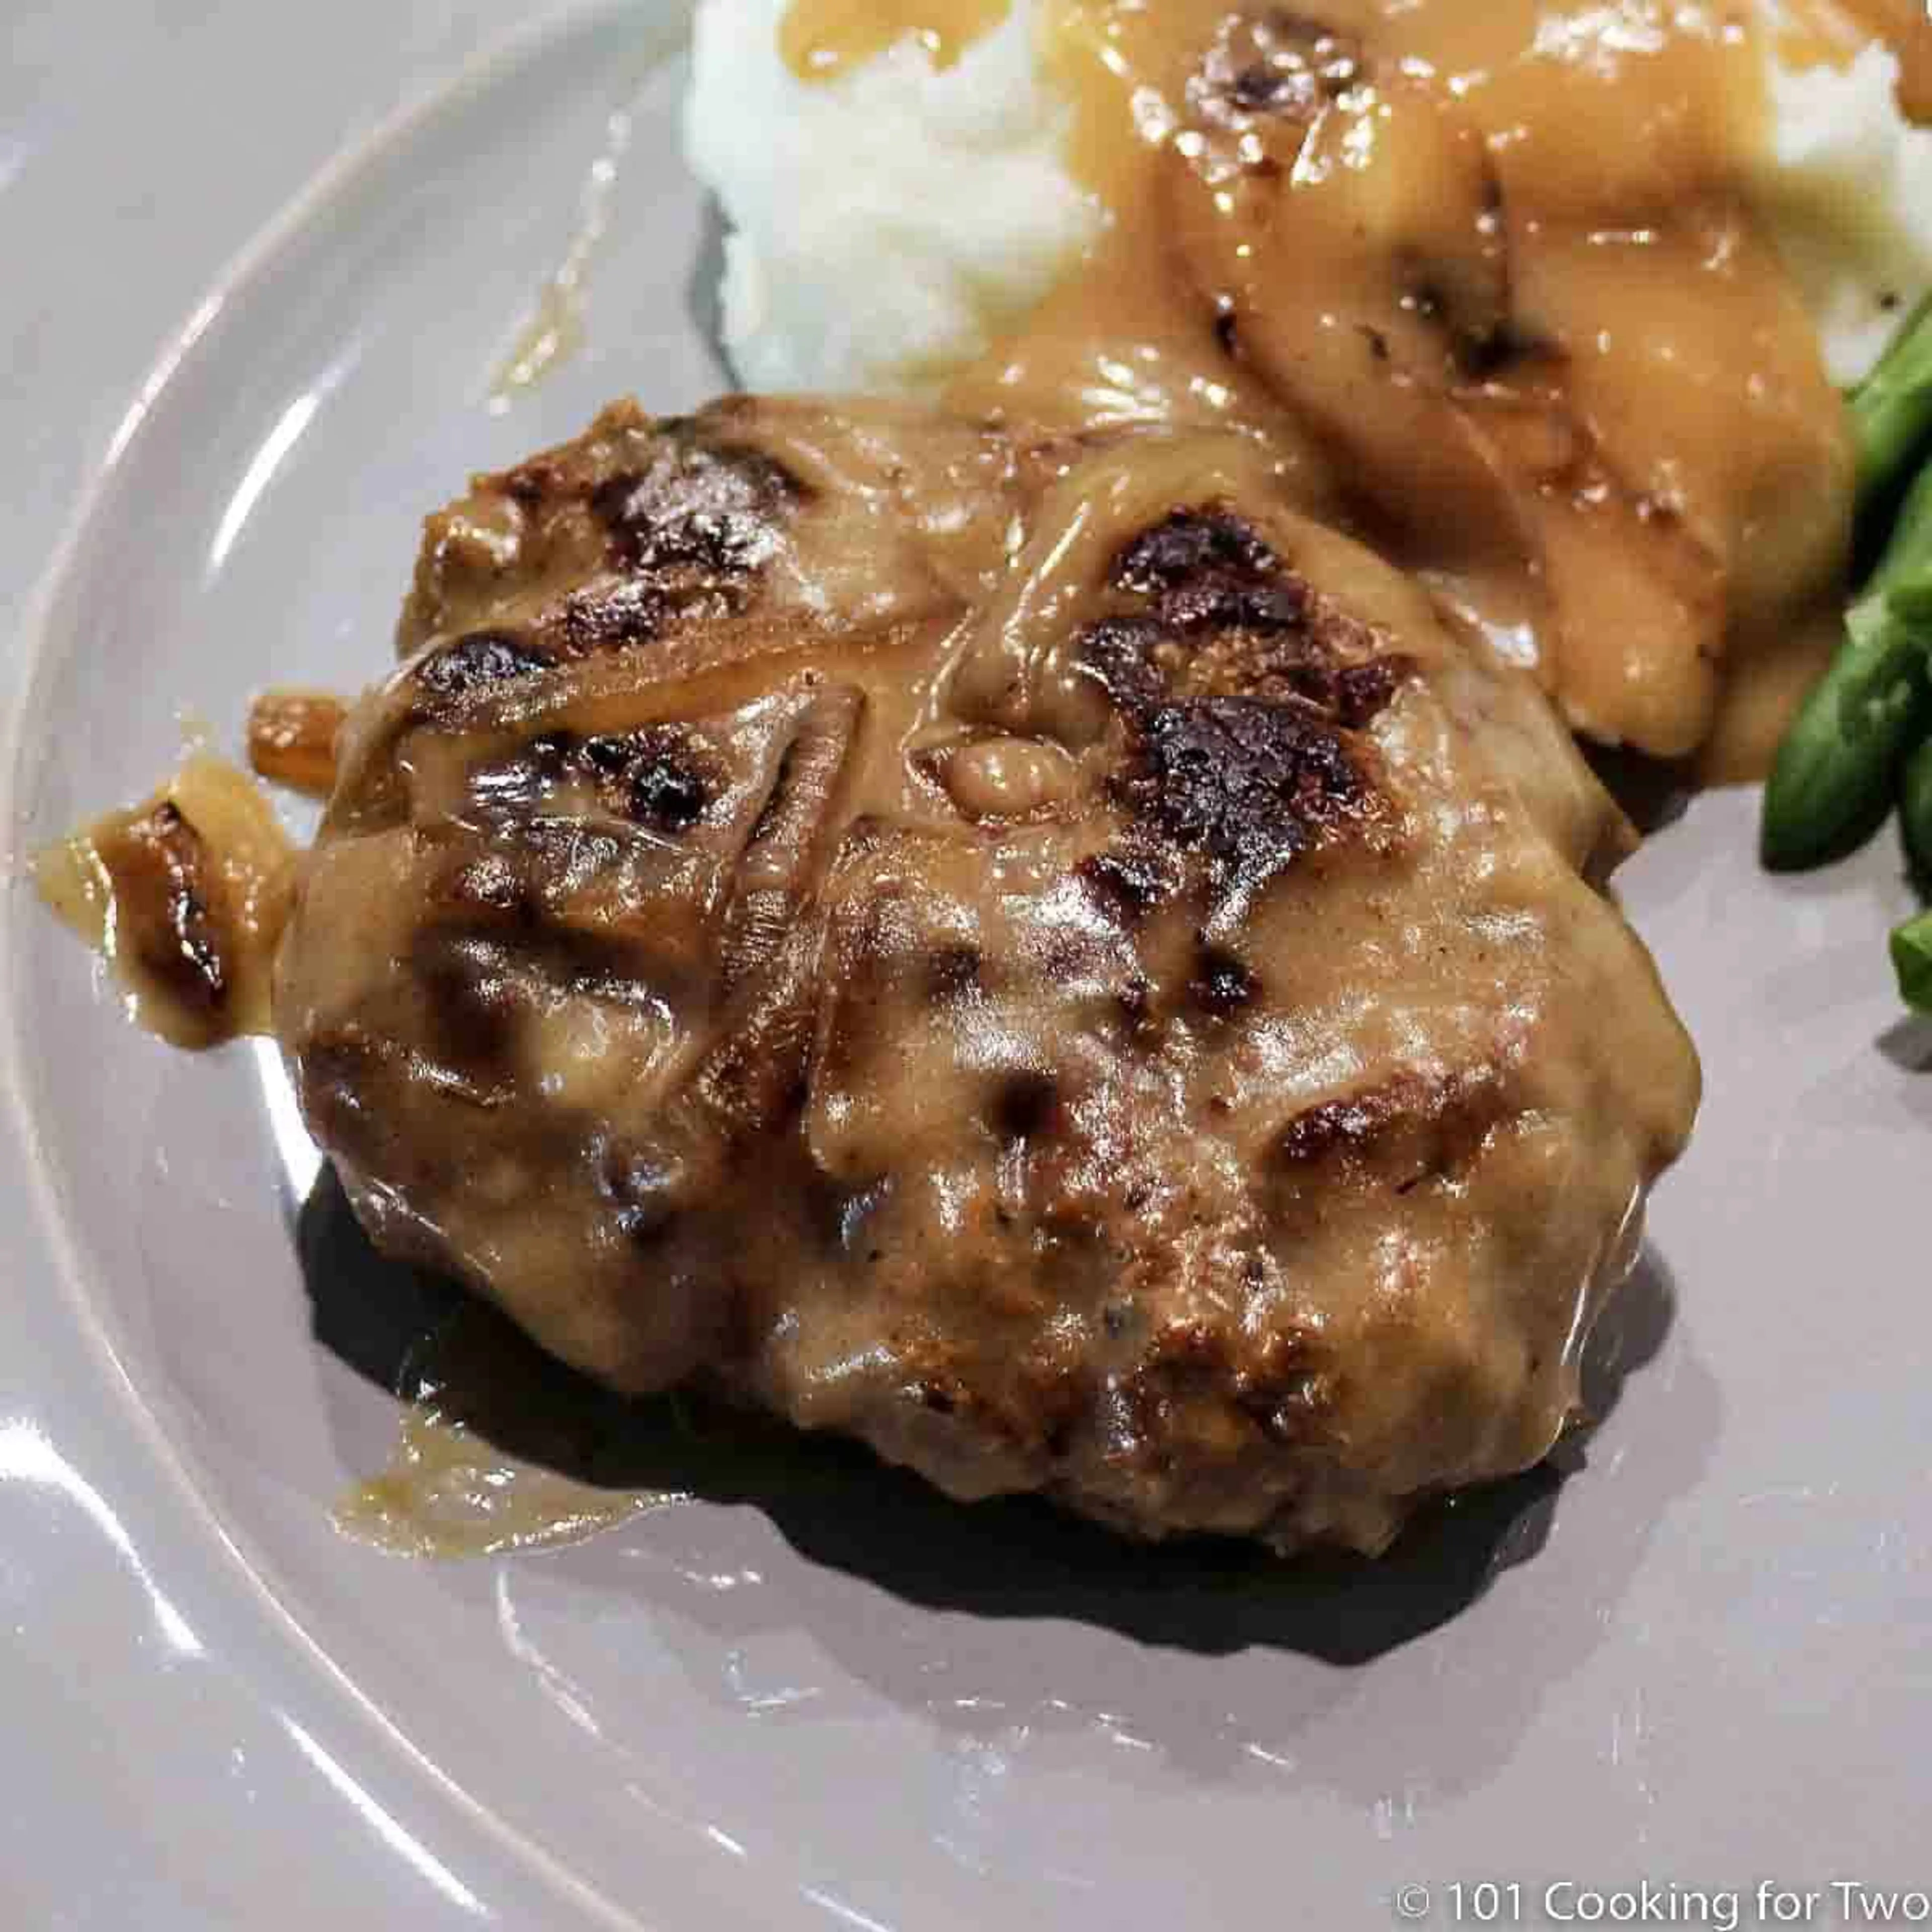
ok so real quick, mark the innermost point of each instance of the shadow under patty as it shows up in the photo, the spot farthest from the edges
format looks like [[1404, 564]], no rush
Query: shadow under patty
[[838, 1504]]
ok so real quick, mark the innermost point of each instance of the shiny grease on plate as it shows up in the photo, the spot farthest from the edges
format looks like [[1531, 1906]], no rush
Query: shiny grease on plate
[[449, 1492]]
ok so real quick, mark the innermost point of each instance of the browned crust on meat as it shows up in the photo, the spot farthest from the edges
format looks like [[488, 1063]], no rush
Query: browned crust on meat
[[646, 976], [1411, 1127]]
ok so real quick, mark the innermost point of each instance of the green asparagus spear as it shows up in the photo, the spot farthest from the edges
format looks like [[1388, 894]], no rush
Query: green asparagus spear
[[1892, 411], [1912, 961], [1834, 778]]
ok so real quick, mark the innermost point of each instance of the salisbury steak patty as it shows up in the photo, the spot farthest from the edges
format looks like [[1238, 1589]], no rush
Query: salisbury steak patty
[[1037, 956]]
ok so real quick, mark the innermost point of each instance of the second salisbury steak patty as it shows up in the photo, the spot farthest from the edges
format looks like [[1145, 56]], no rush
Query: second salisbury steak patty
[[1040, 956]]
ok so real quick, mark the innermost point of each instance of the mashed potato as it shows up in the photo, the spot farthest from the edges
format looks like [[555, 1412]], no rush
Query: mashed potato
[[1847, 189], [886, 225]]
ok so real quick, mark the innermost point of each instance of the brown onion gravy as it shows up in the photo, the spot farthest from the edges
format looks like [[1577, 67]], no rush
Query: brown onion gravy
[[1633, 467], [1125, 339], [822, 39], [1614, 133]]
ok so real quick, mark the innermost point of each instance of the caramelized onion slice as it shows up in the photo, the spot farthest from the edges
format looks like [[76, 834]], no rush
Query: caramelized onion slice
[[291, 739]]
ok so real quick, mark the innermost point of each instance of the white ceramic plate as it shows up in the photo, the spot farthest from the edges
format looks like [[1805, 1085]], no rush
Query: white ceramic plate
[[1701, 1661]]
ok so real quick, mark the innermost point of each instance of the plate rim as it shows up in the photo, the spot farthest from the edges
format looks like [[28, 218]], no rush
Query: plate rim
[[46, 1229]]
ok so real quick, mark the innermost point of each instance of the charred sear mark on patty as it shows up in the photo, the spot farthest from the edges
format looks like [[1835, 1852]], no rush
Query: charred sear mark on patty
[[1206, 583], [1412, 1128], [1242, 689], [698, 518], [1026, 1106], [479, 659], [1128, 881], [1275, 64], [1275, 1384], [1207, 570], [660, 777], [1187, 544], [1133, 659], [1228, 615], [688, 519], [657, 777], [607, 617], [955, 973], [1245, 781], [1221, 986]]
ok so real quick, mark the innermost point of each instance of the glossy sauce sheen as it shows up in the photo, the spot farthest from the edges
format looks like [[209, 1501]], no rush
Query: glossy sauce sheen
[[1028, 951], [1386, 267], [822, 39], [1486, 271], [1835, 30], [449, 1492]]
